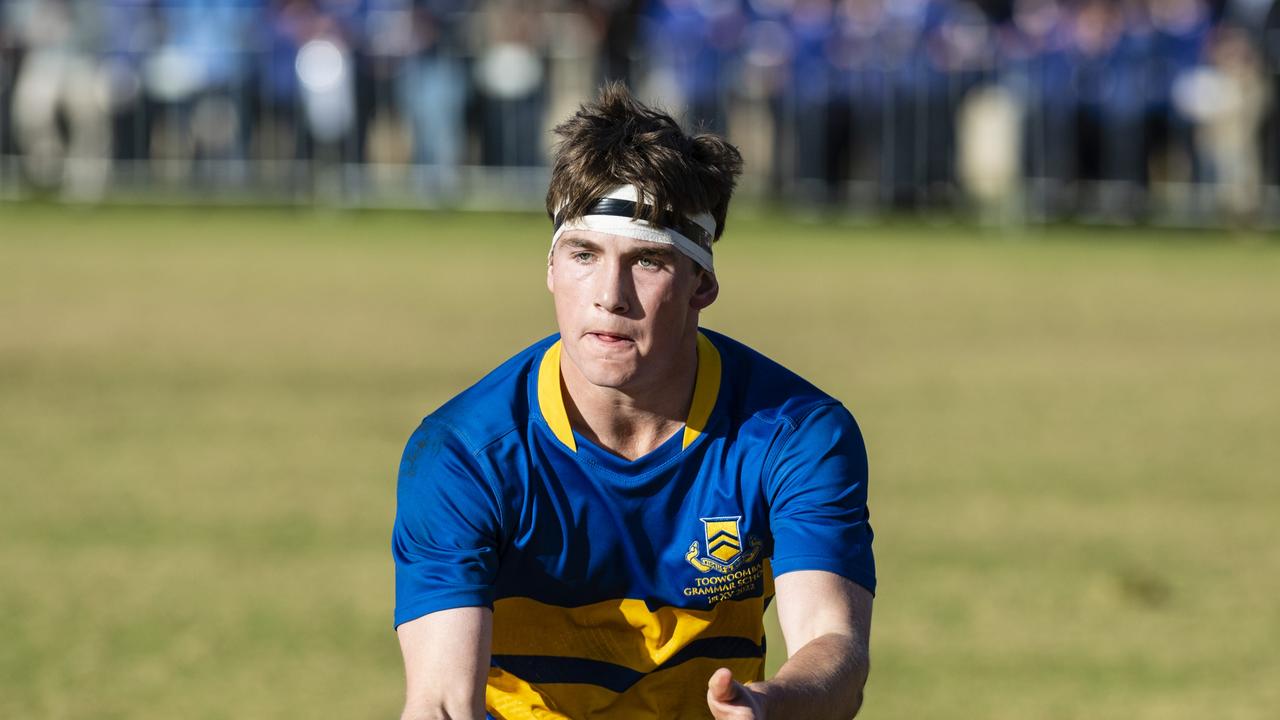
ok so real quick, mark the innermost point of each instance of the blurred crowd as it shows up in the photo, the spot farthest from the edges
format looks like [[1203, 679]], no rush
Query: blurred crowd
[[1071, 105]]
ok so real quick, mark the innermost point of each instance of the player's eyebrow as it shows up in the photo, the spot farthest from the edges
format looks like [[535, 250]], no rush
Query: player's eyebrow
[[581, 244], [660, 252]]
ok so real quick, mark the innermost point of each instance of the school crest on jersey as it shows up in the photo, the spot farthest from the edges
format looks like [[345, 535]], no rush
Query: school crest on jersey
[[723, 545]]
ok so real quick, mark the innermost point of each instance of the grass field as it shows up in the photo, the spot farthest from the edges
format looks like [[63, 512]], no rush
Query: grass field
[[1074, 440]]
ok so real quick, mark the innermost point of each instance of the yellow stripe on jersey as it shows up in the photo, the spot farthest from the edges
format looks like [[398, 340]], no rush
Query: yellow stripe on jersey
[[680, 692], [622, 632], [705, 390], [550, 400], [509, 698]]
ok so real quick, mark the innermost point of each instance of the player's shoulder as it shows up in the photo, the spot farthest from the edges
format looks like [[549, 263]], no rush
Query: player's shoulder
[[762, 389], [496, 405]]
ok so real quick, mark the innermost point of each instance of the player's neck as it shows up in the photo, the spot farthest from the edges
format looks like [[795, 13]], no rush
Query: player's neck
[[633, 421]]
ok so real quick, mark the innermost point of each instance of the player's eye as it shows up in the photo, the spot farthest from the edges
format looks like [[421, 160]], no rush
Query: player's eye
[[583, 256], [649, 262]]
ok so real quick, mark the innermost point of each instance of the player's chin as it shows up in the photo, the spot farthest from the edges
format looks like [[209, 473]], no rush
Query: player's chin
[[615, 369], [610, 375]]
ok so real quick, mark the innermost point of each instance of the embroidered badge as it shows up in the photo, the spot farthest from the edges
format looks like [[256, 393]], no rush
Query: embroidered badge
[[729, 562]]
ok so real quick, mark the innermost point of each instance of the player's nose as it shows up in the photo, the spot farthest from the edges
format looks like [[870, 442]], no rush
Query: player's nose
[[613, 289]]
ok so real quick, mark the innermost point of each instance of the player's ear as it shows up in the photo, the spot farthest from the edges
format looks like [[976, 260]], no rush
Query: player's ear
[[706, 292], [551, 277]]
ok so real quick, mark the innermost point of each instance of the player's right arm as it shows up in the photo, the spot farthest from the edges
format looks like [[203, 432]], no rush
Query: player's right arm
[[446, 660], [445, 542]]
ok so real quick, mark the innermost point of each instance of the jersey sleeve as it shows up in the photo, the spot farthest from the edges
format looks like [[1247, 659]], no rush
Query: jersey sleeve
[[447, 528], [818, 508]]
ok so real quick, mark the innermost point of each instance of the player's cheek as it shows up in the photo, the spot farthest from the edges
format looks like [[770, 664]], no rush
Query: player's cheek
[[583, 275], [570, 287]]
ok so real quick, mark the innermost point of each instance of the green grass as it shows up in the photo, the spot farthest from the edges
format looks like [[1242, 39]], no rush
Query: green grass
[[1073, 440]]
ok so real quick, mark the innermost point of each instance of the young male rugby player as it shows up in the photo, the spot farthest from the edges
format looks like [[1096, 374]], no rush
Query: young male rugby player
[[594, 529]]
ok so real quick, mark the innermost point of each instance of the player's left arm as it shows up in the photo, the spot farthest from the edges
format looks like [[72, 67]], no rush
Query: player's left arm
[[826, 623], [825, 574]]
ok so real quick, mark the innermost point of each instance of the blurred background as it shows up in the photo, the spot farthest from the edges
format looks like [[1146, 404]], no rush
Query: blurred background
[[1106, 110], [245, 246]]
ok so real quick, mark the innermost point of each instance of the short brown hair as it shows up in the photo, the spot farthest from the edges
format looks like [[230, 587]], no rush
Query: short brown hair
[[617, 140]]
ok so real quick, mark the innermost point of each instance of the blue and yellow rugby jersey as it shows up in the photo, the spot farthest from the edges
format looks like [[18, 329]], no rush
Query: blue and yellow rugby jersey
[[617, 586]]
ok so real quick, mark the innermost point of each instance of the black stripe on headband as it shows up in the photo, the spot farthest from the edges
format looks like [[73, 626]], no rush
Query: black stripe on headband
[[627, 209]]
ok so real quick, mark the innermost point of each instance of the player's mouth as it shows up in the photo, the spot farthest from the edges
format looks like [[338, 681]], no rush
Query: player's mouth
[[610, 339]]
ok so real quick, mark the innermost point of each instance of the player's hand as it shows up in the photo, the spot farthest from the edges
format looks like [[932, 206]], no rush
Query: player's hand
[[731, 700]]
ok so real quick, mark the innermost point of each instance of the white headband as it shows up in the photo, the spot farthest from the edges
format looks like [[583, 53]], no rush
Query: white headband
[[615, 218]]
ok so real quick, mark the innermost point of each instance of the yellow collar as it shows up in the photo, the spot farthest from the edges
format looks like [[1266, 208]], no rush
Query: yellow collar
[[706, 388]]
